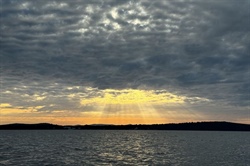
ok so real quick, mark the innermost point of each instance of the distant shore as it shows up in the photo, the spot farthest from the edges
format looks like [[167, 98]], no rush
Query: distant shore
[[202, 126]]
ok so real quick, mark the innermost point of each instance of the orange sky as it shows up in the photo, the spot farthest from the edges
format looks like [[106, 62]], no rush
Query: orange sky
[[126, 106]]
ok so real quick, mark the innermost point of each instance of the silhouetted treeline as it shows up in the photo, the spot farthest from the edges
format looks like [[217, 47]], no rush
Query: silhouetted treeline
[[208, 126], [39, 126]]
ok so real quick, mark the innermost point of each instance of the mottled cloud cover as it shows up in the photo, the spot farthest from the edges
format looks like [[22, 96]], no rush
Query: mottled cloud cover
[[53, 54]]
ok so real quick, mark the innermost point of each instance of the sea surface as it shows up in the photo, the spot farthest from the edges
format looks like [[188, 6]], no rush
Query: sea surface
[[132, 147]]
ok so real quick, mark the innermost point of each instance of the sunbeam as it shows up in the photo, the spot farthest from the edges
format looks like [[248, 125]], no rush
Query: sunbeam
[[133, 106]]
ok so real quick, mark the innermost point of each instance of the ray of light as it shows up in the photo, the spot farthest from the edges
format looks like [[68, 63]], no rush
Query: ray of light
[[150, 106], [111, 106]]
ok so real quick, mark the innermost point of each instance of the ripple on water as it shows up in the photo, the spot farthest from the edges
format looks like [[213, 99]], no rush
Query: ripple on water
[[82, 147]]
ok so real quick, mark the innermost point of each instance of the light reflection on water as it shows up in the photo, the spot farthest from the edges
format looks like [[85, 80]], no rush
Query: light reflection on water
[[85, 147]]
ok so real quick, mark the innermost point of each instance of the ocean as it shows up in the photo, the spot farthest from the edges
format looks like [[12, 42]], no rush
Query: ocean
[[123, 147]]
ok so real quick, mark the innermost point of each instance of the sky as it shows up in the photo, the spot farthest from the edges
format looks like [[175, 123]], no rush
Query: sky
[[124, 61]]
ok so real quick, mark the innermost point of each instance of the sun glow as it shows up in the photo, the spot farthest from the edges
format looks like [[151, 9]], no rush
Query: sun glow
[[131, 105], [109, 106], [130, 96]]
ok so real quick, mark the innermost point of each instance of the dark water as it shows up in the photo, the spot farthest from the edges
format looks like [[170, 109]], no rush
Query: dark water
[[81, 147]]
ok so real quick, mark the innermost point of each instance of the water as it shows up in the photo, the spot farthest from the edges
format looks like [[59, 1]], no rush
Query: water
[[100, 147]]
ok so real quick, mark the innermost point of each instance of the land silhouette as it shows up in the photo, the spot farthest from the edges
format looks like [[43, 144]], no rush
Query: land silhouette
[[203, 126]]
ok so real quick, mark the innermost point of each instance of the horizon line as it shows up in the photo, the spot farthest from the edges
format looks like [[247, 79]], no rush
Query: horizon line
[[124, 124]]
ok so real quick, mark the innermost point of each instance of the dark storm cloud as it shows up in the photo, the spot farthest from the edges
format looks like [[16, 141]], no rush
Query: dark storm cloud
[[190, 47]]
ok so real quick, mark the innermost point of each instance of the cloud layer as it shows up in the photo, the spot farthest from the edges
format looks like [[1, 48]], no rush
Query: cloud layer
[[191, 48]]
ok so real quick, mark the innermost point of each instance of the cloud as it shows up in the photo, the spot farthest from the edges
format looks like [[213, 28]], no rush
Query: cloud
[[192, 48], [130, 96]]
